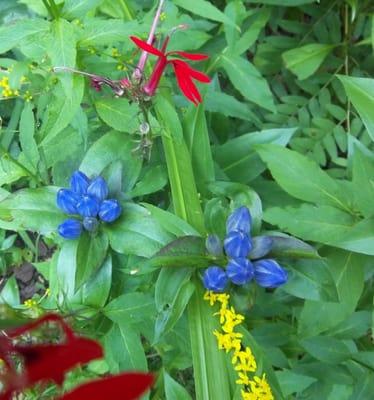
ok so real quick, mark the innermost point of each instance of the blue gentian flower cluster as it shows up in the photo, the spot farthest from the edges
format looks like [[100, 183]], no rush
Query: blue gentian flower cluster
[[86, 200], [239, 247]]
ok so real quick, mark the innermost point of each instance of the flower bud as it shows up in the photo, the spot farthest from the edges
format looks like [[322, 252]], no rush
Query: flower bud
[[90, 224], [70, 229], [67, 201], [239, 220], [79, 182], [269, 274], [215, 279], [88, 206], [110, 210], [240, 271], [98, 188], [214, 245], [237, 244], [261, 245]]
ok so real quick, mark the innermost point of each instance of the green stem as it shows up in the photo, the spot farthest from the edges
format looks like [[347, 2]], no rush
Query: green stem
[[126, 10], [210, 366]]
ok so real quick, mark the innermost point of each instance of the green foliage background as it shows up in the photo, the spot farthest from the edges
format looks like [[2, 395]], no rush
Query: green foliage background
[[286, 128]]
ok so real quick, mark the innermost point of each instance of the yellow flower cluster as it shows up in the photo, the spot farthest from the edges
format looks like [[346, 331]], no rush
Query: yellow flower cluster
[[30, 303], [255, 388], [7, 91]]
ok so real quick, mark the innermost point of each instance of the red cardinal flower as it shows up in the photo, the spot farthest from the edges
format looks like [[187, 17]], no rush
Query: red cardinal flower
[[183, 71], [50, 362]]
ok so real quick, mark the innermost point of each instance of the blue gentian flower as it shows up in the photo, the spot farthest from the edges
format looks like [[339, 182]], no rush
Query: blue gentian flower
[[215, 279], [88, 206], [240, 271], [213, 245], [90, 224], [79, 182], [98, 188], [110, 210], [67, 201], [87, 199], [237, 244], [261, 245], [269, 274], [239, 220], [70, 229]]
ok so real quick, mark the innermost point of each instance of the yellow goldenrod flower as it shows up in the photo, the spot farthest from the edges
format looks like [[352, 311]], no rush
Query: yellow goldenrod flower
[[30, 303]]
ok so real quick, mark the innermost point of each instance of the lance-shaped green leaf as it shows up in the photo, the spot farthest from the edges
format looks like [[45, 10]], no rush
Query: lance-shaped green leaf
[[361, 93], [304, 61], [26, 136]]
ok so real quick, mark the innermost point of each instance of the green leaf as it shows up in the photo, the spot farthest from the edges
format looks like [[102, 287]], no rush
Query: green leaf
[[10, 293], [167, 318], [173, 390], [292, 382], [66, 270], [239, 160], [153, 180], [12, 34], [283, 3], [10, 171], [312, 280], [131, 308], [290, 247], [204, 9], [197, 140], [123, 349], [348, 271], [302, 177], [91, 253], [361, 93], [248, 81], [118, 113], [62, 110], [327, 349], [95, 291], [98, 32], [31, 209], [62, 50], [79, 8], [26, 135], [136, 232], [108, 149], [363, 182], [304, 61]]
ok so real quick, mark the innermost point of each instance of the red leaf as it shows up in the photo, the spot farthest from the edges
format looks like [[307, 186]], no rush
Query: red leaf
[[147, 47], [127, 386], [189, 56], [51, 362]]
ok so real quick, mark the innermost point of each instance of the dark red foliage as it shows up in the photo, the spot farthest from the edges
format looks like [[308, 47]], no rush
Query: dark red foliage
[[127, 386], [50, 362]]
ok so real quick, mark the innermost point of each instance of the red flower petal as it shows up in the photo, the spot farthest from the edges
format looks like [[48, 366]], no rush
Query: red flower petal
[[127, 386], [194, 73], [51, 362], [185, 83], [189, 56], [147, 47]]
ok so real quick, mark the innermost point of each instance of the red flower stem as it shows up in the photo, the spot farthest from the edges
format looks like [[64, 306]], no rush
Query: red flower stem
[[138, 73]]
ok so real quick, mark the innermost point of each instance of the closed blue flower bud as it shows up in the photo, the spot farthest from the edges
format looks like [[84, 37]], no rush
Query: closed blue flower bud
[[239, 220], [67, 201], [269, 274], [240, 271], [110, 210], [215, 279], [98, 188], [90, 224], [214, 245], [88, 206], [79, 182], [261, 245], [70, 229], [237, 244]]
